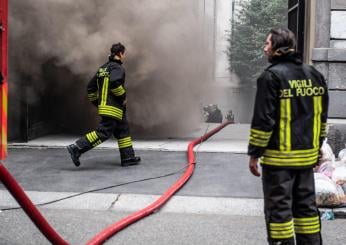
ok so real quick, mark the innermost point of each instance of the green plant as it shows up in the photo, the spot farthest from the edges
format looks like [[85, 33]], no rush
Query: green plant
[[250, 26]]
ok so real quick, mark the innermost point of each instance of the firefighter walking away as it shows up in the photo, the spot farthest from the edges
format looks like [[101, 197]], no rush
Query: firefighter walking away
[[287, 131], [107, 92]]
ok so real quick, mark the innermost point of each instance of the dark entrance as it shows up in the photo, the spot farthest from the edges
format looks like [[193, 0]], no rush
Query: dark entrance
[[57, 103]]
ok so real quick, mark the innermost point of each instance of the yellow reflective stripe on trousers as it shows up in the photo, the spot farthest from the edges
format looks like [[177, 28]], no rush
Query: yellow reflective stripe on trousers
[[88, 136], [281, 234], [125, 142], [285, 124], [97, 143], [308, 220], [281, 230], [317, 120], [92, 136], [281, 225], [307, 225]]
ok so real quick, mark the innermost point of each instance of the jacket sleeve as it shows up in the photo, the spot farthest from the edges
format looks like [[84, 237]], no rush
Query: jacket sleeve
[[324, 115], [116, 78], [263, 119], [92, 90]]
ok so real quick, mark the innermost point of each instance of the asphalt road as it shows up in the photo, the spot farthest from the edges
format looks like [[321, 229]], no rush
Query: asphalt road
[[79, 226]]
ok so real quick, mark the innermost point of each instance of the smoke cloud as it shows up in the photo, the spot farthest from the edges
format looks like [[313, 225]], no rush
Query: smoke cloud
[[57, 45]]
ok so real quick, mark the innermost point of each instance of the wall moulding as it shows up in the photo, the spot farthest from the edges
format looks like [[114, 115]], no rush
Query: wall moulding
[[338, 5], [329, 54]]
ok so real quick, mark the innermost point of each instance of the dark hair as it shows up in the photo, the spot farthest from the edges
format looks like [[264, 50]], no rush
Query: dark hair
[[282, 39], [117, 48]]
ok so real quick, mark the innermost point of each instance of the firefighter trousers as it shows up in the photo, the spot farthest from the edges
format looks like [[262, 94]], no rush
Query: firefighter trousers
[[290, 207], [108, 127]]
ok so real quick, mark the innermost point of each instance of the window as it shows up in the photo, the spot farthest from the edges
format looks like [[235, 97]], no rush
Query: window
[[296, 22]]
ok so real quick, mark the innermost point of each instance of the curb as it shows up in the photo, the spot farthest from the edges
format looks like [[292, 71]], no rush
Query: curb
[[132, 202]]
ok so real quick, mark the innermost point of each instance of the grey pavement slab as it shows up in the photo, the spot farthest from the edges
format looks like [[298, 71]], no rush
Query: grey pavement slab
[[135, 202], [51, 170]]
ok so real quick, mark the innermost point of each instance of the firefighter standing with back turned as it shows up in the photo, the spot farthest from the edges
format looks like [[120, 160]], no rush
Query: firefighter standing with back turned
[[106, 91], [287, 130]]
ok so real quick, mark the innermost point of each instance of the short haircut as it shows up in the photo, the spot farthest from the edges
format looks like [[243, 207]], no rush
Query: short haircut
[[117, 48], [282, 38]]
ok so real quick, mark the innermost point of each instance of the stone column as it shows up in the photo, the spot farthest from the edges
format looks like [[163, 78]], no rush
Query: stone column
[[329, 56]]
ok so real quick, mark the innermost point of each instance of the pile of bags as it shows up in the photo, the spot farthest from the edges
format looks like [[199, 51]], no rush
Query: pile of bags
[[330, 178]]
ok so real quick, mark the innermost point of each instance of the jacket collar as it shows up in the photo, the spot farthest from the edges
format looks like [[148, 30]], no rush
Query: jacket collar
[[112, 59], [290, 57]]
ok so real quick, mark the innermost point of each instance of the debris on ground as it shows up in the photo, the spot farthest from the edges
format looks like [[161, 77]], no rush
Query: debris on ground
[[330, 178]]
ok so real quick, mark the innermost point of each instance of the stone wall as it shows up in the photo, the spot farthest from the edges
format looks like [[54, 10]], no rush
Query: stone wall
[[329, 56]]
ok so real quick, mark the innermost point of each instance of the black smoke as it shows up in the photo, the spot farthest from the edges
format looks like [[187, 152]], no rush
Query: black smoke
[[57, 45]]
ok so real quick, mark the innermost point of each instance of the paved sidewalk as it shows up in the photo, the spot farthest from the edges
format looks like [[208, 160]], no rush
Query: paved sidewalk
[[221, 203], [233, 138]]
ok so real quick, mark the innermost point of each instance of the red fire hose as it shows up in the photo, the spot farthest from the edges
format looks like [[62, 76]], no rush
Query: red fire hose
[[29, 208], [118, 226], [41, 223]]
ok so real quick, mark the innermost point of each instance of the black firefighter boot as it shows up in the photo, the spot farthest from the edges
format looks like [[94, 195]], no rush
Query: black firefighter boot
[[128, 157], [283, 242], [309, 239], [75, 154]]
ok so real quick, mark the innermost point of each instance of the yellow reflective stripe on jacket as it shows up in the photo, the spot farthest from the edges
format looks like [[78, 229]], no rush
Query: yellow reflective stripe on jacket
[[92, 136], [125, 142], [258, 143], [93, 96], [292, 153], [296, 158], [259, 138], [293, 162], [317, 120], [118, 91], [285, 124], [104, 93], [307, 225], [260, 132], [281, 230], [323, 130], [110, 111], [290, 160]]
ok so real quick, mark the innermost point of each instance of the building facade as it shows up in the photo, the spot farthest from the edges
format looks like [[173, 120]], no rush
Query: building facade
[[326, 39]]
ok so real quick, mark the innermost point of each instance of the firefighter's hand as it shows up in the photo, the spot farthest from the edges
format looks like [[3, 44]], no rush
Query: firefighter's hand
[[124, 102], [253, 166]]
